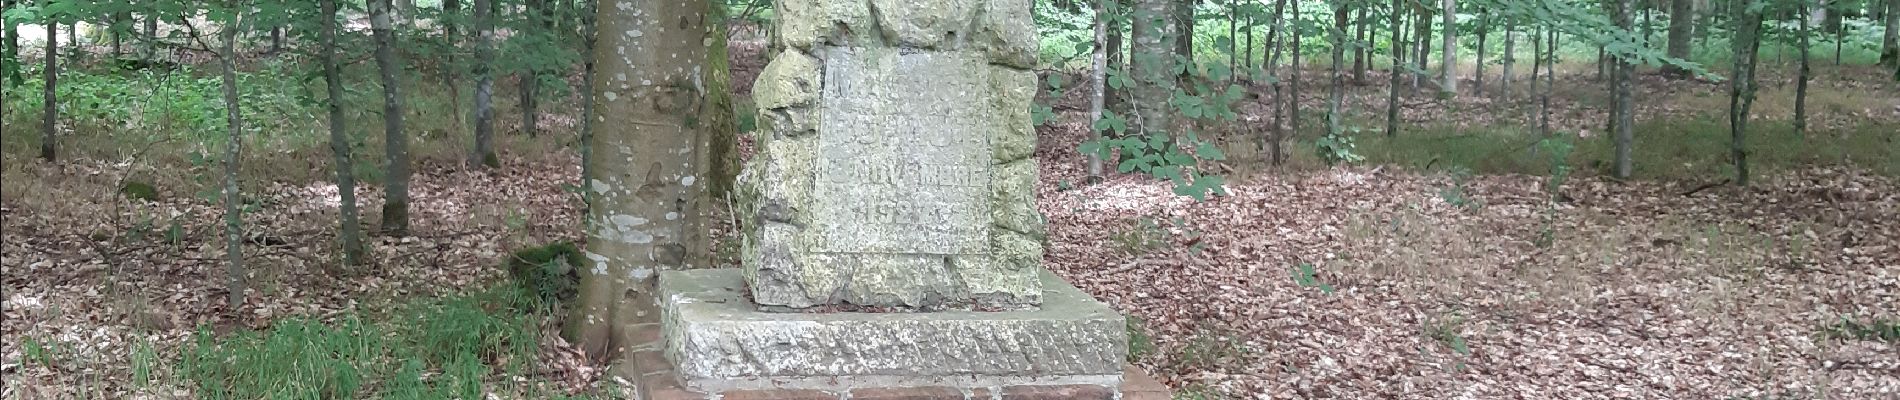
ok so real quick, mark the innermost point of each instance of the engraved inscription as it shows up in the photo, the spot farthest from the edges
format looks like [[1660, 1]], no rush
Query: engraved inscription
[[904, 153]]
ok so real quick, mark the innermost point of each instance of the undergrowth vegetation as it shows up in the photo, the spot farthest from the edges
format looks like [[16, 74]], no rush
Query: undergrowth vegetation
[[442, 349]]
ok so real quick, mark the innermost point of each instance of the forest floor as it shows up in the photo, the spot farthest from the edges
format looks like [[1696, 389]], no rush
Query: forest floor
[[1393, 280]]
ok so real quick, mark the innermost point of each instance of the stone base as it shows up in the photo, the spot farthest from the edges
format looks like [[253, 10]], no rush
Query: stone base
[[717, 342]]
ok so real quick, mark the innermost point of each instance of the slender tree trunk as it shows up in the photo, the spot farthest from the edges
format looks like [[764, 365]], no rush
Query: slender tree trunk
[[1449, 67], [1098, 85], [1681, 20], [1484, 31], [343, 161], [1337, 94], [1537, 57], [1233, 36], [1112, 99], [484, 154], [719, 123], [1274, 43], [1747, 45], [1649, 26], [276, 40], [1603, 63], [234, 127], [670, 153], [452, 69], [1421, 39], [1801, 81], [395, 142], [529, 78], [1398, 62], [49, 119], [151, 34], [1361, 52], [1509, 58], [1184, 28], [1154, 30], [1621, 115], [1834, 23], [118, 33], [11, 63], [1550, 79], [1293, 84], [1890, 42], [1250, 33]]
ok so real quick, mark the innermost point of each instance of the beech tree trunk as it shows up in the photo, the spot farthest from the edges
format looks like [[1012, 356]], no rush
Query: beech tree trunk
[[1621, 117], [342, 160], [1890, 42], [1449, 67], [1154, 30], [1747, 47], [1360, 51], [1273, 137], [452, 70], [233, 145], [1801, 80], [1484, 27], [484, 71], [530, 78], [395, 142], [1293, 84], [1398, 61], [1111, 97], [1184, 28], [669, 152], [1509, 58], [1341, 16], [1421, 39], [1098, 86], [49, 118], [1681, 20]]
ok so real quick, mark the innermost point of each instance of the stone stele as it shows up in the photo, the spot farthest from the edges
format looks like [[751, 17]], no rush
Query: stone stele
[[895, 171], [894, 174]]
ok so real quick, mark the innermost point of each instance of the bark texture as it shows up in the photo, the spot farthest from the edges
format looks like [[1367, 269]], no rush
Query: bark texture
[[484, 154], [1681, 21], [395, 141], [649, 163], [233, 147], [350, 234]]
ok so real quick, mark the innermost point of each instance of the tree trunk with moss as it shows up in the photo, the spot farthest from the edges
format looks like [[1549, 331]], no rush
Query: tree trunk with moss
[[647, 192], [722, 126]]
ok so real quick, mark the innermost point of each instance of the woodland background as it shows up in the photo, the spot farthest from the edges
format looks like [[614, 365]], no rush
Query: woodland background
[[1325, 199]]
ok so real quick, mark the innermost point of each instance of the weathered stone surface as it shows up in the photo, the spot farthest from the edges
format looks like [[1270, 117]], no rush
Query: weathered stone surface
[[1013, 198], [925, 24], [899, 140], [903, 157], [1008, 33], [792, 79], [718, 341], [804, 24], [1015, 91]]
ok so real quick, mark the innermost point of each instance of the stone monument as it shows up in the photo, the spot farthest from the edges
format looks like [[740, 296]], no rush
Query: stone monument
[[891, 238]]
